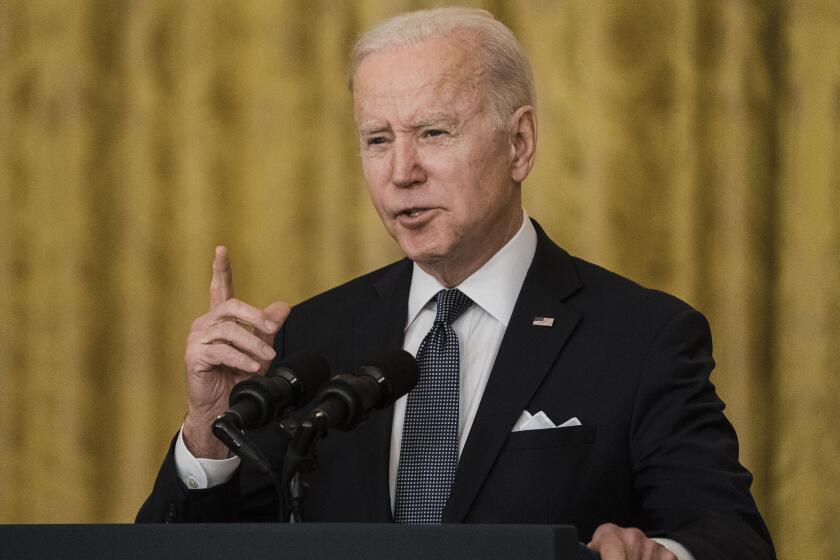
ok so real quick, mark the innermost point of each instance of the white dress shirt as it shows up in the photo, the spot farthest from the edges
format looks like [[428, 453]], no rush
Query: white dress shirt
[[494, 289]]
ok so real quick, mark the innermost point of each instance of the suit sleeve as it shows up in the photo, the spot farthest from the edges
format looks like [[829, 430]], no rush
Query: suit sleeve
[[171, 501], [247, 496], [690, 485]]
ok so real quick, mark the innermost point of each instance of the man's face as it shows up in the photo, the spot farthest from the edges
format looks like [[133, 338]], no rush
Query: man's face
[[437, 171]]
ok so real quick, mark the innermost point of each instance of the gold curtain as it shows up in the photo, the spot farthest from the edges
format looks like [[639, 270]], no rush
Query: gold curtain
[[692, 145]]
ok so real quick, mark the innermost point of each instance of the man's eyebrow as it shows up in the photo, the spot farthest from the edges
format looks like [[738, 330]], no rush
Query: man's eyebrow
[[367, 129], [434, 119]]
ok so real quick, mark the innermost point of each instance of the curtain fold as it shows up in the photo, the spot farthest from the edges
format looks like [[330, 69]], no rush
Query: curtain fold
[[693, 146]]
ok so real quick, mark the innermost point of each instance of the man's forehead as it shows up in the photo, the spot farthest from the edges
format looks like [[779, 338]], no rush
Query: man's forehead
[[413, 80], [438, 68], [445, 98]]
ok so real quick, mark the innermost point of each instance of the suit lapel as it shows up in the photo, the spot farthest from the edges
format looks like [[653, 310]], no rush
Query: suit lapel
[[525, 356], [376, 330]]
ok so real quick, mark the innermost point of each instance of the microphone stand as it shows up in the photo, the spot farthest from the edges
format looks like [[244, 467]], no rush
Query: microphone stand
[[300, 460]]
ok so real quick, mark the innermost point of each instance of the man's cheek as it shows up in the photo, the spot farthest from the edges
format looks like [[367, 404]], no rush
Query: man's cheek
[[373, 171]]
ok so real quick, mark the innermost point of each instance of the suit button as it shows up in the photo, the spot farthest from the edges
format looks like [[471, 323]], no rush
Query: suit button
[[171, 513]]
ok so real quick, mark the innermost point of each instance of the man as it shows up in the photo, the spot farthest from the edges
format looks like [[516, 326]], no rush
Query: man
[[444, 106]]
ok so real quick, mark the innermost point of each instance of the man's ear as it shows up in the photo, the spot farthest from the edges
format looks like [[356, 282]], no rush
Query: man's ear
[[523, 142]]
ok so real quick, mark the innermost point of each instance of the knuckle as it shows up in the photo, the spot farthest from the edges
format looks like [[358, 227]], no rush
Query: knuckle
[[603, 530], [634, 537], [222, 356], [229, 354], [192, 353], [228, 330], [213, 355], [242, 362], [258, 345]]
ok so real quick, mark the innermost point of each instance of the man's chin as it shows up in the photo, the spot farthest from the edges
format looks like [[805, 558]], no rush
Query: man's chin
[[426, 259], [424, 255]]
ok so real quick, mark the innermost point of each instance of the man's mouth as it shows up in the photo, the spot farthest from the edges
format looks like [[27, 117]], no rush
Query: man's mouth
[[415, 217]]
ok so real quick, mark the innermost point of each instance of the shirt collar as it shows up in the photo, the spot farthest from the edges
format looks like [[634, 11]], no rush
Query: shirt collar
[[494, 287]]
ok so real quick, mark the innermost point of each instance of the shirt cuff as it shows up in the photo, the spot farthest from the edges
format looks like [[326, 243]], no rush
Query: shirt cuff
[[679, 550], [197, 474]]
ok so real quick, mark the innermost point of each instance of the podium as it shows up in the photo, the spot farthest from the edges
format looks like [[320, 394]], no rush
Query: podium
[[305, 541]]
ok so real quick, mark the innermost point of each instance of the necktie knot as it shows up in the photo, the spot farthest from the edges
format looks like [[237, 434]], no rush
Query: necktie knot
[[451, 304]]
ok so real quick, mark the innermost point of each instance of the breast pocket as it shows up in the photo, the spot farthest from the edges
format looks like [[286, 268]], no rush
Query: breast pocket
[[533, 466], [550, 438]]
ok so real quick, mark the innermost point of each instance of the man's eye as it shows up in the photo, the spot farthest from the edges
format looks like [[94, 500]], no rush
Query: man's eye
[[375, 141], [435, 132]]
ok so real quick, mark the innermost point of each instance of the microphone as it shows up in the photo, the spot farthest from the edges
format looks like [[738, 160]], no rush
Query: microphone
[[257, 401], [291, 383], [346, 400]]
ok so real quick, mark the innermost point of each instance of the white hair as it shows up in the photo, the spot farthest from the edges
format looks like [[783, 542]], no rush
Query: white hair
[[508, 82]]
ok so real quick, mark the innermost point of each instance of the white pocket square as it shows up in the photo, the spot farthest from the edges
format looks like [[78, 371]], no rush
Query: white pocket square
[[540, 421]]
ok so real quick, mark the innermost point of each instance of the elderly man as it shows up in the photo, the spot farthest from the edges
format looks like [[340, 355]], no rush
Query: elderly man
[[565, 393]]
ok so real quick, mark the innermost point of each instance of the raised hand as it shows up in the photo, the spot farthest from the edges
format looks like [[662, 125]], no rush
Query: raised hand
[[229, 343]]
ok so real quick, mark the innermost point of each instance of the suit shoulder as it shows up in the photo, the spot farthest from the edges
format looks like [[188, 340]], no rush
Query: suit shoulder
[[611, 292], [325, 323], [354, 292]]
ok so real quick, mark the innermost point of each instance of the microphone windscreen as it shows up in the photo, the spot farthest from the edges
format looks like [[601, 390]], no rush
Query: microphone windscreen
[[400, 371], [310, 370]]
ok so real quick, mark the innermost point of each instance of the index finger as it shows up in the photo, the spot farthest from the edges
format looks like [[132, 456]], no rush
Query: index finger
[[221, 283]]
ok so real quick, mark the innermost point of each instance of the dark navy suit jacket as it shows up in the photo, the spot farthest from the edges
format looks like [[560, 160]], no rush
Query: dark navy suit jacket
[[654, 450]]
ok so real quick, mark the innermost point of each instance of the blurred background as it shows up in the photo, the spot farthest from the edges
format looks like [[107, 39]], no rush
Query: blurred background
[[693, 146]]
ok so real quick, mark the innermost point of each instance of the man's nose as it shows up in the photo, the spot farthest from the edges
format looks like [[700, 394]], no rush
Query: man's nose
[[406, 169]]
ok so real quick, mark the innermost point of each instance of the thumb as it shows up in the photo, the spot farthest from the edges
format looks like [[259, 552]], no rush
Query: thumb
[[277, 312]]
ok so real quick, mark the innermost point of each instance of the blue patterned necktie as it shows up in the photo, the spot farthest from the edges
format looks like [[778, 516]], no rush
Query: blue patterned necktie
[[429, 450]]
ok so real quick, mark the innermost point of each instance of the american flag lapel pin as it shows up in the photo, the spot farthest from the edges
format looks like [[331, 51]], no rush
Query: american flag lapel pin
[[543, 322]]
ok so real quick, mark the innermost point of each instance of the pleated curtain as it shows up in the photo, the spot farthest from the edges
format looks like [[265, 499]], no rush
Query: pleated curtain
[[691, 145]]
